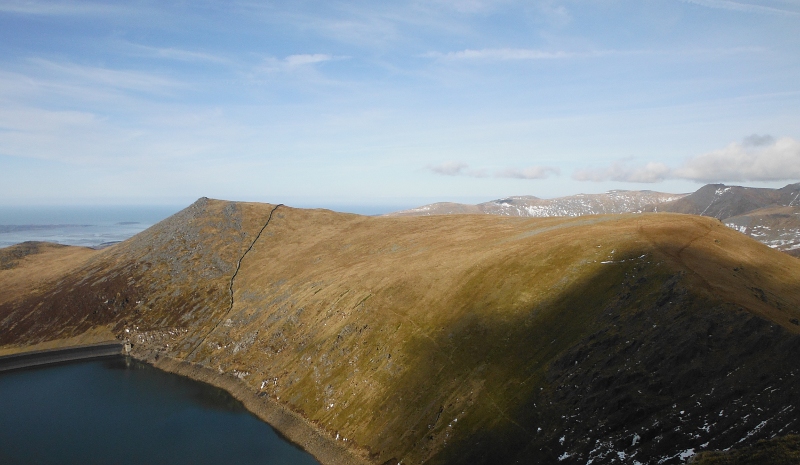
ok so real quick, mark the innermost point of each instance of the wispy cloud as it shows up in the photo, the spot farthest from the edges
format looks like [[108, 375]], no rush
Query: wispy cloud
[[377, 25], [65, 8], [295, 62], [501, 54], [520, 54], [758, 158], [450, 168], [158, 134], [306, 59], [455, 168], [743, 7], [532, 172], [170, 53], [106, 77], [368, 24], [67, 136], [554, 13], [470, 6]]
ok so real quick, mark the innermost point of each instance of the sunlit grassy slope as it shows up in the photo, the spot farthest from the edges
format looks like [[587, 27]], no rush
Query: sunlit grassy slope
[[48, 260], [457, 339]]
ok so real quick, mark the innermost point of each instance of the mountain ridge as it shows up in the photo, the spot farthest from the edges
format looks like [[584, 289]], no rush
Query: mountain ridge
[[751, 211], [722, 202], [453, 339]]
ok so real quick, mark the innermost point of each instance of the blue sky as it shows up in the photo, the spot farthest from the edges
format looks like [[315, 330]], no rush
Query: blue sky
[[401, 103]]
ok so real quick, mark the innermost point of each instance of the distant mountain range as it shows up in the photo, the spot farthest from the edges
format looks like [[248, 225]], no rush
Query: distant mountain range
[[617, 201], [722, 202], [771, 216]]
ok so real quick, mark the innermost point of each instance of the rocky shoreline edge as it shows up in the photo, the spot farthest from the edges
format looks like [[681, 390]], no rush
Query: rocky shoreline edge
[[288, 423]]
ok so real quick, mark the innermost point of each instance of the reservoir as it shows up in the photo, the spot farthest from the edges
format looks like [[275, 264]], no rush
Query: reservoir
[[121, 411]]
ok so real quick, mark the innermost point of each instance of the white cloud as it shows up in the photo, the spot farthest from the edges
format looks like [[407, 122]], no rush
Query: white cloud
[[533, 172], [756, 158], [778, 160]]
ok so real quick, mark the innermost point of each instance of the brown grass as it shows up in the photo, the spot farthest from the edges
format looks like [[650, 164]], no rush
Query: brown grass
[[34, 271]]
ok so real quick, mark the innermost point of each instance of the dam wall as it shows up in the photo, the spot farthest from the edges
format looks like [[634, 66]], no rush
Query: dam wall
[[60, 355]]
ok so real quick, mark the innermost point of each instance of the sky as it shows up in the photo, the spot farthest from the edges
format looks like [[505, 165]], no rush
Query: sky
[[393, 104]]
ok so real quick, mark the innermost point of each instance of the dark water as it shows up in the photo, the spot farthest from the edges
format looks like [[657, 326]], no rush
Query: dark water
[[126, 412]]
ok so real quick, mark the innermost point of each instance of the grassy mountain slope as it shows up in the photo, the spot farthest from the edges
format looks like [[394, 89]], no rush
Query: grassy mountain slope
[[780, 451], [767, 215], [49, 261], [458, 339]]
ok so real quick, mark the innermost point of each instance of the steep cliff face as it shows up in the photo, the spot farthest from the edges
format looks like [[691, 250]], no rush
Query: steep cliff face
[[721, 201], [458, 339]]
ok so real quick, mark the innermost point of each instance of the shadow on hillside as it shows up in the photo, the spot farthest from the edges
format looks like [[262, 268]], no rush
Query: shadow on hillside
[[634, 363]]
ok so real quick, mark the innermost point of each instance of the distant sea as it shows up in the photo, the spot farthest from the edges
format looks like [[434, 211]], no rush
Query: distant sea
[[100, 226], [87, 226]]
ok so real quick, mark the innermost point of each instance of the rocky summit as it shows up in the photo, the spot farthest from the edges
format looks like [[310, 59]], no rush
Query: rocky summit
[[454, 339]]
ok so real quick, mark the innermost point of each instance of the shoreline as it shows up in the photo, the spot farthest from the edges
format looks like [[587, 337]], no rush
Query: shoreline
[[290, 424]]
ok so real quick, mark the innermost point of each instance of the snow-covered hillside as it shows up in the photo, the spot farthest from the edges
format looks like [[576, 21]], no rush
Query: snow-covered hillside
[[617, 201]]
